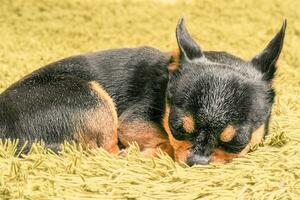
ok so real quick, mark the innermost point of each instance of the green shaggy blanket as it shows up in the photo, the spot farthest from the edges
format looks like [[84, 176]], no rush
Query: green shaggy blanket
[[34, 33]]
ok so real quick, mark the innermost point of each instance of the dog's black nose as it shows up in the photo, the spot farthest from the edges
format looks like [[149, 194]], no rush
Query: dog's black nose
[[195, 159]]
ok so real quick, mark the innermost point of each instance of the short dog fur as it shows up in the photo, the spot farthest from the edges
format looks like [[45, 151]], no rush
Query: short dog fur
[[197, 106]]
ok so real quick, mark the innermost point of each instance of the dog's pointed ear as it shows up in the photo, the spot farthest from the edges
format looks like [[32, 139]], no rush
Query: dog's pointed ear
[[266, 60], [188, 48]]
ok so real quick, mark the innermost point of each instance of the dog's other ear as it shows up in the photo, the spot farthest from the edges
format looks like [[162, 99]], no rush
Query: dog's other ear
[[266, 60], [188, 48]]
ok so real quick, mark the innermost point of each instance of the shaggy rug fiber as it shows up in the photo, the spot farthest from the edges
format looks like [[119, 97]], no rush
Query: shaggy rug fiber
[[34, 33]]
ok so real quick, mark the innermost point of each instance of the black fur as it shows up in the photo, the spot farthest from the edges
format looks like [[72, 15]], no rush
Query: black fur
[[49, 103], [220, 89], [217, 88]]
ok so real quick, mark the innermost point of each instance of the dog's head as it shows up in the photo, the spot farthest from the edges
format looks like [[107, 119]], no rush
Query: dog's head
[[218, 105]]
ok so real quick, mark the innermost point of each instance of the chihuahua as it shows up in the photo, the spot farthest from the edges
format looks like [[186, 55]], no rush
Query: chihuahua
[[197, 106]]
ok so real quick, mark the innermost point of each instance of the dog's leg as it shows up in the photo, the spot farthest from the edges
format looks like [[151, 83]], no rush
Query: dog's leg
[[99, 124], [63, 108], [150, 136]]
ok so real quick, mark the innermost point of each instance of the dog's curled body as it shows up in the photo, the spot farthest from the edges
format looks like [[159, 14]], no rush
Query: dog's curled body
[[77, 98], [197, 106]]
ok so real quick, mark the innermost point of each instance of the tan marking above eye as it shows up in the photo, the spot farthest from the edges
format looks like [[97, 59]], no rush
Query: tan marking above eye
[[188, 123], [227, 134]]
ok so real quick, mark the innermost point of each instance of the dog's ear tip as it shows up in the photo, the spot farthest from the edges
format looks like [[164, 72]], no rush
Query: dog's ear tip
[[189, 49], [181, 20], [180, 24], [284, 22], [266, 60]]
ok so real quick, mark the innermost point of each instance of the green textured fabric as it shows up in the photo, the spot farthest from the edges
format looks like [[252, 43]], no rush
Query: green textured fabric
[[34, 33]]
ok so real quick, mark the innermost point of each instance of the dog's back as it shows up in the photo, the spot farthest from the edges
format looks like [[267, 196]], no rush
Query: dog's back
[[56, 102]]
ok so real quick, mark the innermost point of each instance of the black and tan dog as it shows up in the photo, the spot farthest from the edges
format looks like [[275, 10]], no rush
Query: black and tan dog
[[197, 106]]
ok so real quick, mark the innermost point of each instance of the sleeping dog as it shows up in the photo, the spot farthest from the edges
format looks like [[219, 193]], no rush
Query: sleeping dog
[[197, 106]]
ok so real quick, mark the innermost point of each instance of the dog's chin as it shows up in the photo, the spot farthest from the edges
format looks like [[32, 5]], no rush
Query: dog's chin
[[219, 156], [181, 155]]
